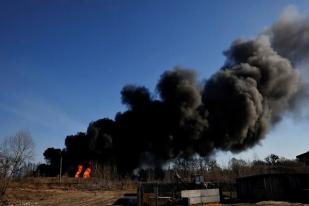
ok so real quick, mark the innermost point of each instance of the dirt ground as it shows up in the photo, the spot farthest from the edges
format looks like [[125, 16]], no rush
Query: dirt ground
[[270, 203], [44, 197], [44, 194], [52, 197]]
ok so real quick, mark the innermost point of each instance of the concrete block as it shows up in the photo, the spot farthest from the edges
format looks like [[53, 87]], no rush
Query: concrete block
[[201, 196]]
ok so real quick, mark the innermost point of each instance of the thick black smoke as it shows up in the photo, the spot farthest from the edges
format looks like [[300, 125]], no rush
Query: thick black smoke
[[232, 110], [251, 92], [290, 36]]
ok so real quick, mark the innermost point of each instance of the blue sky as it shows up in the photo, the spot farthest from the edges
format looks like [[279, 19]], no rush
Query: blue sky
[[64, 62]]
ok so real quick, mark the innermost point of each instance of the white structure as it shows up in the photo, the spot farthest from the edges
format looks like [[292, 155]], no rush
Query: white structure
[[201, 196]]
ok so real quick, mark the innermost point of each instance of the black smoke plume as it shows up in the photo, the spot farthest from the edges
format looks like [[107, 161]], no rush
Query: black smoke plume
[[289, 36], [250, 93], [232, 110]]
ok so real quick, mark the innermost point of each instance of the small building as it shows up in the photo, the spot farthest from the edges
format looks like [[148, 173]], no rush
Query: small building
[[279, 187], [303, 158]]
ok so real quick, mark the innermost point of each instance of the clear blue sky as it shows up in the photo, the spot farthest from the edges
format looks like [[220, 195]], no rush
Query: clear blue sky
[[64, 62]]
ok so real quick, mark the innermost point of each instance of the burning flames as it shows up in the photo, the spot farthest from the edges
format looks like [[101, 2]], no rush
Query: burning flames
[[79, 171], [87, 172], [82, 173]]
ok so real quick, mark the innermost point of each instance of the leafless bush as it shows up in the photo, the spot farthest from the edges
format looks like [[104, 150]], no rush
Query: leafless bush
[[15, 152]]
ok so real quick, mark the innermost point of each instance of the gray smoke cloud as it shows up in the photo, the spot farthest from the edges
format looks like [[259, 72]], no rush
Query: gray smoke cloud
[[179, 89], [251, 92], [259, 83], [289, 37]]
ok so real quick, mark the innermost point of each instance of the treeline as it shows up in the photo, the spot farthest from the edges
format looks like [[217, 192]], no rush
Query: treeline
[[213, 172], [185, 169]]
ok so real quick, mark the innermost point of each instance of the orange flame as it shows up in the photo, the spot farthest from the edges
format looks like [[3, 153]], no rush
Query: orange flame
[[87, 172], [79, 171]]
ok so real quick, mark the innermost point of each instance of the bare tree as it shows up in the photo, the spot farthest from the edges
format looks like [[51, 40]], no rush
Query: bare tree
[[15, 151], [272, 159], [238, 167]]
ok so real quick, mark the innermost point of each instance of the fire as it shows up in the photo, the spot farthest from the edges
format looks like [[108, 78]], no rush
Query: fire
[[87, 172], [79, 171], [83, 173]]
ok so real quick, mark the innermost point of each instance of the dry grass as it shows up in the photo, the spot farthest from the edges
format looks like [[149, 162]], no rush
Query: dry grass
[[48, 191], [60, 197], [72, 192]]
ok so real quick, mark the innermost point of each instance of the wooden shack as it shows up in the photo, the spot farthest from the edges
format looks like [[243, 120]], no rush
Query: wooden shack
[[303, 158], [281, 187]]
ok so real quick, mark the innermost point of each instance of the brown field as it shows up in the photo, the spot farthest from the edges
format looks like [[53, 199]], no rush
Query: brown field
[[47, 191], [24, 196]]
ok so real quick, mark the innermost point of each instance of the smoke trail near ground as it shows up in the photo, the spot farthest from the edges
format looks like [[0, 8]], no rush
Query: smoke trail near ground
[[232, 110]]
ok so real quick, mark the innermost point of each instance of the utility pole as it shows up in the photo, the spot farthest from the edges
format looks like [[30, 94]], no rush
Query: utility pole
[[60, 170], [157, 193]]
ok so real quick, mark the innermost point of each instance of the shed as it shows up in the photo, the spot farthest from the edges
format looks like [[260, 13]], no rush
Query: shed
[[303, 158], [282, 187]]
